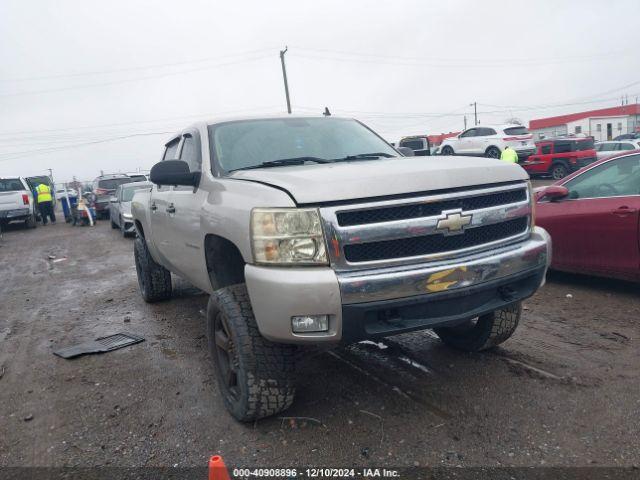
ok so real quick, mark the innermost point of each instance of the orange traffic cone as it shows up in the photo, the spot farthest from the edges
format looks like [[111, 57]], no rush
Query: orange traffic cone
[[217, 469]]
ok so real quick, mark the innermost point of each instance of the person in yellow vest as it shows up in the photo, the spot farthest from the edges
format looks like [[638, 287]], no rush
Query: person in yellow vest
[[45, 203], [509, 155]]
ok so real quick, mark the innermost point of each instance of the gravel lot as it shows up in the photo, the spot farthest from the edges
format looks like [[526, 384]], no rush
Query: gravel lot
[[563, 391]]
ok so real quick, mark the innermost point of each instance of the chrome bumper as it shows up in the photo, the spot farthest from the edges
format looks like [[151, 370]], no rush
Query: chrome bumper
[[396, 283]]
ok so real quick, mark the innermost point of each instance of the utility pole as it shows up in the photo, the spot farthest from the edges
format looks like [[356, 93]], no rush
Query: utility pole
[[284, 76], [475, 112], [465, 122], [50, 174]]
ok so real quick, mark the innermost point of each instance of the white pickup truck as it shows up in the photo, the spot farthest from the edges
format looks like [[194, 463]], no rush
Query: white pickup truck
[[16, 202], [315, 231]]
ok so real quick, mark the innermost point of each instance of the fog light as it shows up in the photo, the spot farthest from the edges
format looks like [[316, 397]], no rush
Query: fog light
[[310, 323]]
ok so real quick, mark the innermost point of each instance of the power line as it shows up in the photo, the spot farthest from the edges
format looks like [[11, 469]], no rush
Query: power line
[[129, 80], [132, 69], [467, 60], [135, 122], [15, 155]]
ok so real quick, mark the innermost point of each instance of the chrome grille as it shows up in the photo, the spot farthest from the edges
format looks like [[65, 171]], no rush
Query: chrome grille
[[406, 230]]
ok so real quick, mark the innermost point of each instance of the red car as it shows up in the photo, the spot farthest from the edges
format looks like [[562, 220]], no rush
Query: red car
[[559, 157], [593, 218]]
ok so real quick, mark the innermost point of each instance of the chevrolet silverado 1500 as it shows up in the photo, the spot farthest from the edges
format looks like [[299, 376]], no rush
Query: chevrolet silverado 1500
[[316, 231]]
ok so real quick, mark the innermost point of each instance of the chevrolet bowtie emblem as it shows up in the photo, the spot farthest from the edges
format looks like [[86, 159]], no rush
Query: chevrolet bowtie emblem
[[453, 222]]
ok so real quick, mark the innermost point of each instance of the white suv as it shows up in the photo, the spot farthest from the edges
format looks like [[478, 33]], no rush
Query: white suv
[[489, 141]]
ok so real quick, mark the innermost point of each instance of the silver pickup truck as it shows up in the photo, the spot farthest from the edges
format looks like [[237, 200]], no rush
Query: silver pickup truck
[[315, 231]]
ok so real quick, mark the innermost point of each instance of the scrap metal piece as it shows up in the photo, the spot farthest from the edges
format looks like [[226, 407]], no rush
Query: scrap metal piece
[[100, 345]]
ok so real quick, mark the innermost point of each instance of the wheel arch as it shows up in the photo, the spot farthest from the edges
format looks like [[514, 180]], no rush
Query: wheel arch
[[225, 264]]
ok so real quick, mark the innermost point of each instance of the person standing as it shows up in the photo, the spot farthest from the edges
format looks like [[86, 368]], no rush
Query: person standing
[[45, 203], [509, 155]]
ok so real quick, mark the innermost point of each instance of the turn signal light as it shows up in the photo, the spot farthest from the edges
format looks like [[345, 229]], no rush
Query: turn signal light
[[25, 199]]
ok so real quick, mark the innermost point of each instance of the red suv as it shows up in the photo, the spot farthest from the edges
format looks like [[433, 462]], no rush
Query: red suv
[[558, 157]]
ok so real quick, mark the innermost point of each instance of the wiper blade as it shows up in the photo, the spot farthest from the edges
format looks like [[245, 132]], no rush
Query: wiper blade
[[365, 156], [283, 162]]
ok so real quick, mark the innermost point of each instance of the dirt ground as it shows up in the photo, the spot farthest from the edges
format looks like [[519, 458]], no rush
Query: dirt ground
[[562, 392]]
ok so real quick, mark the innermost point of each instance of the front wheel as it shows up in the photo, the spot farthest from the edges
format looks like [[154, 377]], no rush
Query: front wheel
[[484, 332], [447, 150], [153, 279], [255, 376]]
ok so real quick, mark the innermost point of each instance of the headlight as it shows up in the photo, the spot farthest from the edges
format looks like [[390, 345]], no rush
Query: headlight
[[532, 203], [128, 216], [287, 236]]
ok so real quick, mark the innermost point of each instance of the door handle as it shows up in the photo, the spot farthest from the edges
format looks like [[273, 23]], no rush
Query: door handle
[[154, 207], [624, 211], [171, 208]]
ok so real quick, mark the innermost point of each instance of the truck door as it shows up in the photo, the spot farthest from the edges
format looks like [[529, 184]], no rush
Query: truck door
[[186, 241], [159, 206]]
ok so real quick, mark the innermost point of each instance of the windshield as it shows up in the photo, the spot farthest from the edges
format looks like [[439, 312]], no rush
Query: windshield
[[127, 193], [10, 185], [516, 131], [252, 142]]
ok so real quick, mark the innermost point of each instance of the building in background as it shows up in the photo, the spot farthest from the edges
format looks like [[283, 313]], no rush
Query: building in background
[[602, 124]]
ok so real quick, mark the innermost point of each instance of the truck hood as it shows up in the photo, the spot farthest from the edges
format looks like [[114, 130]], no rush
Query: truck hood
[[319, 183]]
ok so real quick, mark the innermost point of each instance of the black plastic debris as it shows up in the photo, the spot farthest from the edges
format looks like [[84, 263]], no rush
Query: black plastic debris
[[100, 345]]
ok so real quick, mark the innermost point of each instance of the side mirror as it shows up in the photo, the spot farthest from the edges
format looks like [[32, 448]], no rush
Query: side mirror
[[406, 151], [553, 193], [174, 172]]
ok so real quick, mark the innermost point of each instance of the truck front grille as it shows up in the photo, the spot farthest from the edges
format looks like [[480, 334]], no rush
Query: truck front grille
[[430, 244], [417, 210], [414, 229]]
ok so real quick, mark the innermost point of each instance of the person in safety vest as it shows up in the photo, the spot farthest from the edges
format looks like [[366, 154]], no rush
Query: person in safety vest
[[509, 155], [45, 203]]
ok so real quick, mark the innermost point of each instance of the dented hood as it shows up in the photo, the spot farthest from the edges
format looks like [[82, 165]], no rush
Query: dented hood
[[319, 183]]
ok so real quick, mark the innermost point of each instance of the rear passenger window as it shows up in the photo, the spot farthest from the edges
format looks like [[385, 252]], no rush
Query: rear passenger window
[[191, 154], [562, 147], [626, 146], [171, 151]]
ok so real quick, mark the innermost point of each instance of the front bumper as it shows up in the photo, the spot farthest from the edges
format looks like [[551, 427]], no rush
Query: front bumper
[[394, 300]]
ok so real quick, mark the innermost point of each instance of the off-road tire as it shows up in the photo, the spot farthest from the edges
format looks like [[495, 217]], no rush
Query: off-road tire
[[493, 152], [559, 171], [265, 371], [31, 222], [447, 150], [488, 331], [153, 279]]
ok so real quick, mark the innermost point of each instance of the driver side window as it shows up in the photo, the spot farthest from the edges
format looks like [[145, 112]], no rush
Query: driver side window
[[469, 133], [619, 177]]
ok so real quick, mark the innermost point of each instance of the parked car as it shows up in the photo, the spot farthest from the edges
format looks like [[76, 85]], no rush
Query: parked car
[[120, 207], [628, 136], [593, 216], [104, 187], [16, 202], [606, 149], [419, 145], [302, 236], [559, 157], [490, 141]]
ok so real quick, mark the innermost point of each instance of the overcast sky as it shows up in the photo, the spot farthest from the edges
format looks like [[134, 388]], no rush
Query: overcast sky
[[79, 71]]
